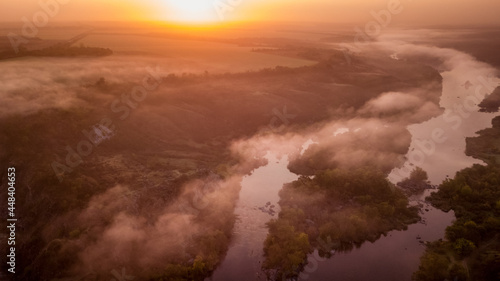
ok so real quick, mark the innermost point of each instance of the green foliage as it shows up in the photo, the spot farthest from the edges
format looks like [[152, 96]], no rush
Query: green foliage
[[199, 266], [433, 267], [285, 249], [416, 183], [463, 247], [487, 264], [345, 207], [458, 273], [51, 207], [349, 183], [210, 247], [385, 209], [418, 175], [179, 272], [473, 238]]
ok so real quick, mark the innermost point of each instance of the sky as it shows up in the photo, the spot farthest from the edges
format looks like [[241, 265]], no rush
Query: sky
[[415, 12]]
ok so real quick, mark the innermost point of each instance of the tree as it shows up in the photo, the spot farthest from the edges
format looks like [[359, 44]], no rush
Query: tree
[[285, 249], [458, 273], [419, 175], [433, 267], [463, 247]]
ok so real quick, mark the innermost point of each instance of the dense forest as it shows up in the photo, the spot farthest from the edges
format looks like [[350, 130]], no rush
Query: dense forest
[[57, 208], [339, 208], [471, 250]]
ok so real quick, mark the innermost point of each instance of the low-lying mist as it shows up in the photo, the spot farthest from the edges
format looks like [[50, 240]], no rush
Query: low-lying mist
[[343, 117]]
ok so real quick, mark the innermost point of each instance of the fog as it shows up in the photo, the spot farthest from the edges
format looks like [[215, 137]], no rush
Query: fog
[[35, 84], [133, 227], [117, 233]]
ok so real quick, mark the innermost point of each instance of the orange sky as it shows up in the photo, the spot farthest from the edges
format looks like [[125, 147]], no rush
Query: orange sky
[[419, 12]]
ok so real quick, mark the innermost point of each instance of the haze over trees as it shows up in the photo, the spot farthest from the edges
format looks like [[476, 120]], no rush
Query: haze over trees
[[189, 116], [343, 207]]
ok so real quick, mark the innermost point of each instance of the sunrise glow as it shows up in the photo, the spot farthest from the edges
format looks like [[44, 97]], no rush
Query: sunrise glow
[[191, 11], [247, 140]]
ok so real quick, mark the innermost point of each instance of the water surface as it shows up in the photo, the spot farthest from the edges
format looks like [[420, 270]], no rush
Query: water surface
[[257, 204]]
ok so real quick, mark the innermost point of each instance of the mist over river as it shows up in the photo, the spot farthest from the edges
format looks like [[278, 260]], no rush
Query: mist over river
[[257, 204], [437, 145]]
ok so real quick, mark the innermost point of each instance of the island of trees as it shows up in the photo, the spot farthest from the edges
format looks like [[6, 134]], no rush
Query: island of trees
[[335, 210]]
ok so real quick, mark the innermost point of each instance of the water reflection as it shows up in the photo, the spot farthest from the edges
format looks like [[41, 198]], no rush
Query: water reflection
[[438, 145], [257, 204], [392, 257]]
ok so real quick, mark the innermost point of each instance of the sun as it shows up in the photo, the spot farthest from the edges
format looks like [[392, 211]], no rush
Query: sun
[[195, 11]]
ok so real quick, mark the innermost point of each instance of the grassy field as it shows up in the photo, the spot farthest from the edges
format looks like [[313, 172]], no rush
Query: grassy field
[[221, 57]]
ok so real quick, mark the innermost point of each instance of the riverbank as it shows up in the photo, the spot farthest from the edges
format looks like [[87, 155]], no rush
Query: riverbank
[[471, 250]]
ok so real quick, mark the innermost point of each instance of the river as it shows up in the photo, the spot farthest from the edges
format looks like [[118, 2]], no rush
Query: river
[[395, 256], [257, 204], [392, 257]]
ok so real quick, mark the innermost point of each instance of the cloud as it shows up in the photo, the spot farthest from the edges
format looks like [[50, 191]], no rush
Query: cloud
[[29, 85], [412, 107], [120, 233], [392, 102]]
